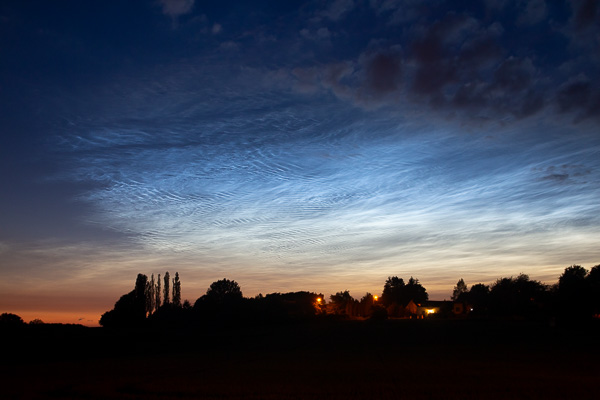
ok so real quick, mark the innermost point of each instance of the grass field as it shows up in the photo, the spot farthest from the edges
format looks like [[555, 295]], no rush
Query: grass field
[[396, 359]]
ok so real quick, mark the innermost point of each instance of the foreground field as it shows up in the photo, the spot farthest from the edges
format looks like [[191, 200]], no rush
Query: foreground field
[[403, 359]]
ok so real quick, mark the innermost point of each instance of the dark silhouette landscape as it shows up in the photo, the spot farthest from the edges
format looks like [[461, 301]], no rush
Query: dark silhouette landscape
[[516, 338]]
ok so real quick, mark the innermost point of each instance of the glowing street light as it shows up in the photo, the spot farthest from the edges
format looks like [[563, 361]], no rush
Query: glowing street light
[[375, 298]]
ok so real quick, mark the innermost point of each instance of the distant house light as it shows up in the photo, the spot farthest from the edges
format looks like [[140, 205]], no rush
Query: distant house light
[[430, 311]]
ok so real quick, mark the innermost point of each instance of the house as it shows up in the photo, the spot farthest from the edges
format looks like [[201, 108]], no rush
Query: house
[[432, 308], [461, 308], [412, 308], [420, 310]]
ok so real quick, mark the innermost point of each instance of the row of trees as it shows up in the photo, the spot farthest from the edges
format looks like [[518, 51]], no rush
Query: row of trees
[[152, 291], [147, 298], [149, 303], [222, 302], [396, 295], [576, 296]]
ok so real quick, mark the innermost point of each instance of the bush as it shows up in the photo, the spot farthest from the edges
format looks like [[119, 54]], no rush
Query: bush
[[9, 320]]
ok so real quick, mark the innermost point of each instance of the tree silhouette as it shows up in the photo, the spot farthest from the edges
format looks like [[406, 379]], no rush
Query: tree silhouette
[[130, 309], [285, 306], [366, 305], [167, 289], [176, 290], [572, 278], [223, 291], [478, 298], [593, 279], [158, 294], [10, 320], [574, 294], [123, 314], [223, 302], [459, 289], [518, 296], [393, 290], [140, 290], [150, 296], [342, 302], [415, 291], [396, 294]]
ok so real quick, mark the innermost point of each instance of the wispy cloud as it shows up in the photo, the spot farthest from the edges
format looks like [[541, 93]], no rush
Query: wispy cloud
[[176, 8], [334, 190]]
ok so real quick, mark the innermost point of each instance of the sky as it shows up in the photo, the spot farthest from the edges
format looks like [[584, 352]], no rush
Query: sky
[[293, 145]]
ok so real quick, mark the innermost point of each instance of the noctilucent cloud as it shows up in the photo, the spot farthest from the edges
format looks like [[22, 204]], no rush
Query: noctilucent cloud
[[296, 145]]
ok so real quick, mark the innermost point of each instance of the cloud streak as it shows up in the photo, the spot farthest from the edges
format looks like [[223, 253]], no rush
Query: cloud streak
[[336, 191]]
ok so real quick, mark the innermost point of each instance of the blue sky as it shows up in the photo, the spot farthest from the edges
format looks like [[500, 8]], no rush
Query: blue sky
[[317, 146]]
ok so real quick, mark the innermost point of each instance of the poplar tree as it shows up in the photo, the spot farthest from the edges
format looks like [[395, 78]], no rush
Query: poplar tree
[[167, 289], [150, 295], [139, 296], [157, 297], [176, 290]]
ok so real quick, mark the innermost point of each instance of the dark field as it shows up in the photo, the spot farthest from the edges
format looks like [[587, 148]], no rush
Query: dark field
[[396, 359]]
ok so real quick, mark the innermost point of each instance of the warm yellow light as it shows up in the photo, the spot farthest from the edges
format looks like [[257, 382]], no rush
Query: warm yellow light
[[430, 311], [319, 299], [375, 298]]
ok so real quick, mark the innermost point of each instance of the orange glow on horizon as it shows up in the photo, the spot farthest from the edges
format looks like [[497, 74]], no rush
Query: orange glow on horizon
[[59, 317]]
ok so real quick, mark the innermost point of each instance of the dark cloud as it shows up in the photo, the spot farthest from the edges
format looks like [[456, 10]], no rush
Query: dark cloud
[[513, 75], [556, 177], [573, 95], [586, 13], [368, 81], [512, 89], [382, 73], [434, 69], [501, 59], [460, 64], [531, 11], [479, 53], [565, 173], [580, 96], [530, 104]]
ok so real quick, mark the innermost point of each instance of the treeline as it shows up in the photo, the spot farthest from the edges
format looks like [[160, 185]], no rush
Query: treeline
[[149, 304], [147, 298], [575, 297], [394, 301]]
